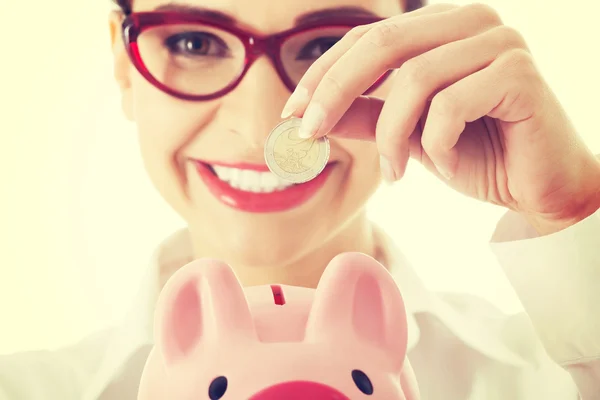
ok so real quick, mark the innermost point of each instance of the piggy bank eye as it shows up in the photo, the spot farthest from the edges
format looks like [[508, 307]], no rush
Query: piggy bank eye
[[217, 388], [362, 382]]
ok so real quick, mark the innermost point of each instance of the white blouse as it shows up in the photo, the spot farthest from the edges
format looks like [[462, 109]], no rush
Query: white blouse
[[460, 347]]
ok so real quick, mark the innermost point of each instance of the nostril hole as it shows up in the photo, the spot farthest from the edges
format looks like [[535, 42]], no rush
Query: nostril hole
[[278, 295]]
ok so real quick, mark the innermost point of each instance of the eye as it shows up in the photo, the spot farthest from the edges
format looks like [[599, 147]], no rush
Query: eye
[[317, 47], [197, 44], [217, 388], [362, 382]]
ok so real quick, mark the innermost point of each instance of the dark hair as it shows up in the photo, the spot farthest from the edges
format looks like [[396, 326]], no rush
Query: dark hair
[[411, 5]]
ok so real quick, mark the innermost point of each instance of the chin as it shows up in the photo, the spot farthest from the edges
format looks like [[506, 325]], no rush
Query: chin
[[284, 224]]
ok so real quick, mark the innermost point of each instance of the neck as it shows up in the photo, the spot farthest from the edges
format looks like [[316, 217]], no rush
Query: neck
[[306, 270]]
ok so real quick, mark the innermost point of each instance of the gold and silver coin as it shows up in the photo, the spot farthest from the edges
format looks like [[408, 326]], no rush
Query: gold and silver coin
[[293, 158]]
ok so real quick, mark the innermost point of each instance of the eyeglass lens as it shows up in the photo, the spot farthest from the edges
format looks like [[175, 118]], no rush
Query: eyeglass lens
[[199, 60]]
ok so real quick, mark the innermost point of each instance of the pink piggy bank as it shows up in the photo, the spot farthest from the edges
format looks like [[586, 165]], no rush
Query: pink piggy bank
[[344, 340]]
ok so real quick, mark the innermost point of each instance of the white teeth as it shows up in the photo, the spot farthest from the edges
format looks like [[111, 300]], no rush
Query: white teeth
[[249, 180]]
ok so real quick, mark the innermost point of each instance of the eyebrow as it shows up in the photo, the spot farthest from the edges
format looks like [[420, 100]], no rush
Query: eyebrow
[[197, 10], [309, 17], [334, 12]]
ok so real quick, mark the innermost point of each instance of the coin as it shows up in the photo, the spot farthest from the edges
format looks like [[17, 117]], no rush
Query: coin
[[292, 158]]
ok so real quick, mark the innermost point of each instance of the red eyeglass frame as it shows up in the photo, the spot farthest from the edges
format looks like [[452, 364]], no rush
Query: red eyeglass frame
[[255, 45]]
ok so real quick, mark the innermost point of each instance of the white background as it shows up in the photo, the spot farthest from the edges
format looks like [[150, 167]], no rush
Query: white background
[[79, 219]]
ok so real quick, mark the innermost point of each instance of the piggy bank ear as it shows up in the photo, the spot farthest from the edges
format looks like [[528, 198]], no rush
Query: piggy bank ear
[[358, 300], [202, 302]]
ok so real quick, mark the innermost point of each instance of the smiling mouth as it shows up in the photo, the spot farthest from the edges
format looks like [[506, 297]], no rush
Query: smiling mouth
[[249, 180], [253, 188]]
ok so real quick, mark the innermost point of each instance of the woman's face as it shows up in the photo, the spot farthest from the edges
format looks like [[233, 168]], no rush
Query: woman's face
[[176, 136]]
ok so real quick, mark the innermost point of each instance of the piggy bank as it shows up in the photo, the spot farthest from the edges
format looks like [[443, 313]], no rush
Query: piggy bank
[[344, 340]]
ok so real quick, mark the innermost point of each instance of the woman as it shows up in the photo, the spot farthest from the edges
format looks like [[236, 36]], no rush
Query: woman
[[465, 100]]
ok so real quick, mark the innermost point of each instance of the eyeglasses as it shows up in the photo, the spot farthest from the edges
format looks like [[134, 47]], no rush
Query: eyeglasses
[[195, 58]]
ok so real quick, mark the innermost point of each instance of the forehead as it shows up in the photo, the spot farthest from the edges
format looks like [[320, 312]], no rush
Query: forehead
[[270, 16]]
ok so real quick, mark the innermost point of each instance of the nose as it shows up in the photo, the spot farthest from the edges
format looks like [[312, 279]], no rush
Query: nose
[[255, 105], [299, 390]]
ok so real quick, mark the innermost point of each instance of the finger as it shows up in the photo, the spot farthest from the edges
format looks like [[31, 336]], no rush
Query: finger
[[297, 102], [385, 46], [301, 96], [421, 77], [359, 123], [507, 89]]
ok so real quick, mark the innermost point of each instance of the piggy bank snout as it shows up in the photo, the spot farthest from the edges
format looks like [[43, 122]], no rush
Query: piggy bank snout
[[299, 390]]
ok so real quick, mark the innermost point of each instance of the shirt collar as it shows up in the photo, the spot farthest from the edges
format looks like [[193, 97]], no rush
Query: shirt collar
[[137, 330]]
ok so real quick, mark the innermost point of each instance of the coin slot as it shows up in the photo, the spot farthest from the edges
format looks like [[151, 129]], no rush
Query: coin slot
[[278, 295]]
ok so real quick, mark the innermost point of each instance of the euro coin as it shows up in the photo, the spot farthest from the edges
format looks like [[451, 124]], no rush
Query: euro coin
[[293, 158]]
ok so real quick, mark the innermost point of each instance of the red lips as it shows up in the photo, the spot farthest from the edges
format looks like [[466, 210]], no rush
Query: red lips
[[278, 201]]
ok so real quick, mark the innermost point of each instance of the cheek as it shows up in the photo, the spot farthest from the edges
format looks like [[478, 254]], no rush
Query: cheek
[[364, 175], [164, 122], [166, 126]]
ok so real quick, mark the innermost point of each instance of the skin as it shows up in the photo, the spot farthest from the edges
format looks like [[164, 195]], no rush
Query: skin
[[199, 129], [498, 135], [467, 102]]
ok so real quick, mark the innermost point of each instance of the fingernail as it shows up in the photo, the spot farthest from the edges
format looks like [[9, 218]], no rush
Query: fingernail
[[298, 97], [445, 173], [312, 120], [387, 170]]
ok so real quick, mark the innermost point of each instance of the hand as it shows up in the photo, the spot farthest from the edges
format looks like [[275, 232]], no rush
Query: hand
[[466, 101]]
